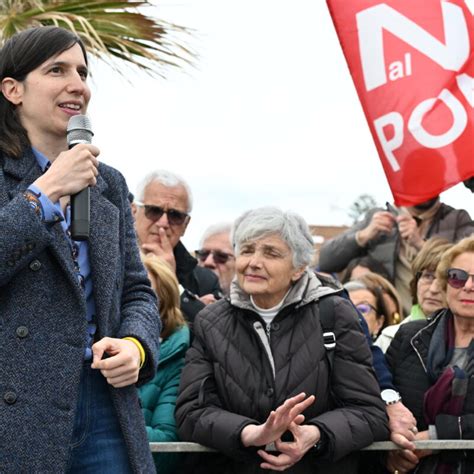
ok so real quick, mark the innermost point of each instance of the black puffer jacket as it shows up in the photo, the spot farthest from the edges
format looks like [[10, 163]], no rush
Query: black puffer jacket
[[407, 358], [228, 380], [196, 281]]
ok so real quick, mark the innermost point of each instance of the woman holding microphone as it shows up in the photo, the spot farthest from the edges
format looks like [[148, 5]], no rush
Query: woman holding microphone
[[78, 320]]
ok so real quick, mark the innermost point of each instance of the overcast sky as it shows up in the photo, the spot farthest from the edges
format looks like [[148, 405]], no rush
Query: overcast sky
[[269, 116]]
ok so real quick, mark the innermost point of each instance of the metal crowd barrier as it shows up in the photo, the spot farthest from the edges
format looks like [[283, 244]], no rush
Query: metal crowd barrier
[[438, 445]]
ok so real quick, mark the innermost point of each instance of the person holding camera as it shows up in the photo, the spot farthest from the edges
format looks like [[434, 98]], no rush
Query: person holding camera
[[394, 236]]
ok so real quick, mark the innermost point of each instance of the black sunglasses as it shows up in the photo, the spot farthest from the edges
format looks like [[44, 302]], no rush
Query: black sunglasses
[[154, 213], [457, 278], [217, 255]]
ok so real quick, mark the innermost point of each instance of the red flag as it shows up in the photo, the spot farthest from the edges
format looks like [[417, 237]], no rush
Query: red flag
[[412, 63]]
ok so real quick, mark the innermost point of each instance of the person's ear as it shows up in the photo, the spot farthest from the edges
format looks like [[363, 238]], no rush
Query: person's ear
[[12, 90], [297, 274], [134, 209]]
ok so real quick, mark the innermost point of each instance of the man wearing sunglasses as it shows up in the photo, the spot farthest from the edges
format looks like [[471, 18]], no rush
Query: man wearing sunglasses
[[216, 254], [162, 213]]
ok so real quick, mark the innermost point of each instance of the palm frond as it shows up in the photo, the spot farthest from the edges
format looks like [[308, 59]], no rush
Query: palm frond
[[109, 29]]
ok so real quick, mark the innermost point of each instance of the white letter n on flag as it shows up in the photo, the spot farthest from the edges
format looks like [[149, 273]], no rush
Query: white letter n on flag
[[450, 55]]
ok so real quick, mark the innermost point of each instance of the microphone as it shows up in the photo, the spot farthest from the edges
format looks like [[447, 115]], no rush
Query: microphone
[[79, 130]]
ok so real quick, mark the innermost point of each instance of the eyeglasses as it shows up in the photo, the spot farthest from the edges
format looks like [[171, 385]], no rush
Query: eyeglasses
[[426, 276], [217, 255], [154, 213], [457, 278], [366, 308]]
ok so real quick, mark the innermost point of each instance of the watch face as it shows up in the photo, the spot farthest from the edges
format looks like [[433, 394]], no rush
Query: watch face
[[390, 396]]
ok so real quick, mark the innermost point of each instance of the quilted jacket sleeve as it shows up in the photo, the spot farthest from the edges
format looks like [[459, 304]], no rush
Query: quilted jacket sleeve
[[199, 413], [162, 424], [158, 396]]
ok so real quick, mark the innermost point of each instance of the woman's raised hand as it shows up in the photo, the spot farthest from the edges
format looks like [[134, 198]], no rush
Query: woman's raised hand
[[277, 422]]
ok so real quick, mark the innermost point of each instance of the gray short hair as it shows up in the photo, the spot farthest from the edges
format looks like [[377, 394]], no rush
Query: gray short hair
[[355, 285], [167, 178], [214, 229], [289, 226]]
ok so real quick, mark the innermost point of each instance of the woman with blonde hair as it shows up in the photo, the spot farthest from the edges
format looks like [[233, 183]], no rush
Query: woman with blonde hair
[[159, 395], [426, 293], [432, 363]]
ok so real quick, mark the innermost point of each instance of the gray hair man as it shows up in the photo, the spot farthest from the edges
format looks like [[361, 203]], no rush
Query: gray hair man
[[216, 253], [162, 211]]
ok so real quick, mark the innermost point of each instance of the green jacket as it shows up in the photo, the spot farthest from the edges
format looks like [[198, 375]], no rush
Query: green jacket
[[158, 396]]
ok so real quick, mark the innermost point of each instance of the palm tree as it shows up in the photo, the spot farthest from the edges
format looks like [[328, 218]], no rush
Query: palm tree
[[110, 30]]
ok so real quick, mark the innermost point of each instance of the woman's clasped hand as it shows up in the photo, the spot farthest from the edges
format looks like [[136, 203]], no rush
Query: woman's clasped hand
[[287, 417]]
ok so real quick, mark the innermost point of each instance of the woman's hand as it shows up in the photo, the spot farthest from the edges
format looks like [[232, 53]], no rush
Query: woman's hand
[[305, 437], [405, 460], [70, 172], [277, 422], [122, 366], [423, 436]]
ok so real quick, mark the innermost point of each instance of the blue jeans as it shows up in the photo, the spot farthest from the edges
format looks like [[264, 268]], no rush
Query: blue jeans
[[97, 445]]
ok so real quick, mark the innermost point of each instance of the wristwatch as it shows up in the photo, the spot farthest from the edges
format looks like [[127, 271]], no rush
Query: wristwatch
[[390, 396], [321, 444]]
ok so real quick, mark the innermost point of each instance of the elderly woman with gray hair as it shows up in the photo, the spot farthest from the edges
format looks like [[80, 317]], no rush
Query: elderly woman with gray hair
[[259, 385]]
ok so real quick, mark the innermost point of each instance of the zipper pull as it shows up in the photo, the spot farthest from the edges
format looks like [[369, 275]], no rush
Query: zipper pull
[[268, 328]]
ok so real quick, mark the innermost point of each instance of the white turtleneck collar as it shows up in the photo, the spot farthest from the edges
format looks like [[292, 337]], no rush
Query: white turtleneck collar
[[267, 314]]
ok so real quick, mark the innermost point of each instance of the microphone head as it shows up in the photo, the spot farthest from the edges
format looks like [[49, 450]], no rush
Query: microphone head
[[79, 130]]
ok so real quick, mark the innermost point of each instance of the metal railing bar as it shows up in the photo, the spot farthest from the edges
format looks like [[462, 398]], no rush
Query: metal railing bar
[[439, 444]]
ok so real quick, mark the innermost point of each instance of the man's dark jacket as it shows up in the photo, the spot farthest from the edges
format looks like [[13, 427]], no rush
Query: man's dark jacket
[[197, 281]]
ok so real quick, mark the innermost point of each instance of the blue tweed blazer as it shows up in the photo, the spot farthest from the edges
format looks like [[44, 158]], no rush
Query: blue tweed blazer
[[43, 322]]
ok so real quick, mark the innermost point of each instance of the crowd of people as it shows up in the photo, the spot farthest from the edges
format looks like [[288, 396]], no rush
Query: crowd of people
[[278, 359], [255, 357]]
